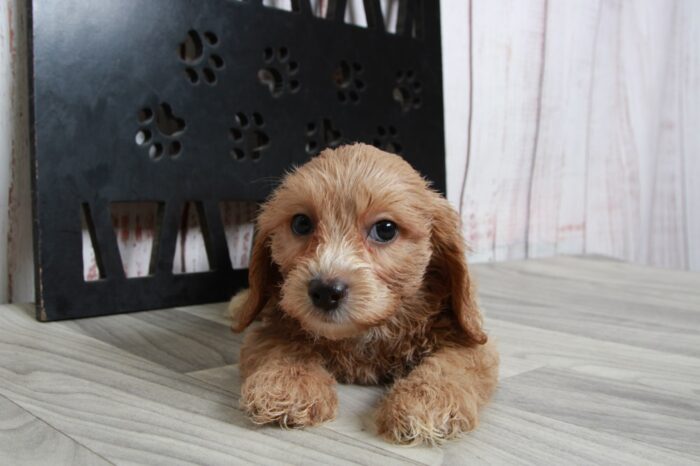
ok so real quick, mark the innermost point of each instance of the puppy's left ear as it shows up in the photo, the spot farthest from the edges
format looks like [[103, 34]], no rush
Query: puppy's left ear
[[448, 269], [263, 275]]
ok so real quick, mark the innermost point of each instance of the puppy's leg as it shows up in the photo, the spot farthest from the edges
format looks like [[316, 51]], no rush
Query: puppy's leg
[[285, 382], [441, 397]]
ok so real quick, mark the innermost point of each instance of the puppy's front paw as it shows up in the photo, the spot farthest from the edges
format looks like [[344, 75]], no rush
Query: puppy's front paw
[[417, 412], [292, 396]]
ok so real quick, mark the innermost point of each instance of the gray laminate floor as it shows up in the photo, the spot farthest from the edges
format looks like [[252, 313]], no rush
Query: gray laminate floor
[[600, 364]]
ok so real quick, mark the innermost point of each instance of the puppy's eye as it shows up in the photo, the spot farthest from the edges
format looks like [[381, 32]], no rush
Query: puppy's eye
[[383, 231], [302, 224]]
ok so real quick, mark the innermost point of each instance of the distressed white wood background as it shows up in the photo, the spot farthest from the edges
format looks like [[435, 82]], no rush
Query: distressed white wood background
[[572, 126]]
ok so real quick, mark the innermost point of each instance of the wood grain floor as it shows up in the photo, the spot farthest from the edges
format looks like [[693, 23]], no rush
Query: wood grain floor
[[601, 365]]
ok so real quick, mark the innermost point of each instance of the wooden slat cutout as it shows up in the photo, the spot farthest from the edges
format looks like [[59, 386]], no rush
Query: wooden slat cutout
[[237, 218], [136, 228], [193, 249], [93, 268]]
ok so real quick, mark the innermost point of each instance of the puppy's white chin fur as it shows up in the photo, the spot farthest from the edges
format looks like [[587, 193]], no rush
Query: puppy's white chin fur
[[331, 330]]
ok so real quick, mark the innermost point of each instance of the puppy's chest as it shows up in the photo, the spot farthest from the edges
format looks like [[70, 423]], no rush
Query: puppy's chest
[[371, 361]]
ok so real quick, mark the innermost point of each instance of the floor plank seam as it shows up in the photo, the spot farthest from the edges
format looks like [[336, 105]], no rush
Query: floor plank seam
[[54, 428], [560, 333]]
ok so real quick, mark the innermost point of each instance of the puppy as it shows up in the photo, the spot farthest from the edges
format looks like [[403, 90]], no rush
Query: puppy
[[359, 274]]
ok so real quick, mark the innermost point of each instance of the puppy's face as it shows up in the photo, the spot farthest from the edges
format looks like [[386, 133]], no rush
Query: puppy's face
[[350, 234]]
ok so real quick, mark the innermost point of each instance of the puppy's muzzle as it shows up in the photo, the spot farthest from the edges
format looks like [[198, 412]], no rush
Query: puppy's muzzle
[[327, 295]]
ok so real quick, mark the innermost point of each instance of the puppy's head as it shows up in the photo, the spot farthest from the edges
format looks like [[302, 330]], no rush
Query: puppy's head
[[347, 237]]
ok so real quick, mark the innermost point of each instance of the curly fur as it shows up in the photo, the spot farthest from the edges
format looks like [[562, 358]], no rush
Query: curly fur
[[409, 318]]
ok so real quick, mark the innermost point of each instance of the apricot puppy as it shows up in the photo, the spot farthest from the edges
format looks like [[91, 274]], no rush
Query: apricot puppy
[[359, 274]]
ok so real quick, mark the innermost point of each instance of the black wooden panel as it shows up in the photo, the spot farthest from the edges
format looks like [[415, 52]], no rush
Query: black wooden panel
[[176, 101]]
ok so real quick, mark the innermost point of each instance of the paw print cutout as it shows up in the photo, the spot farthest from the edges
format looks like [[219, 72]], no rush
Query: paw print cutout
[[248, 137], [201, 63], [159, 131], [279, 72], [348, 79], [387, 139], [407, 90], [320, 135]]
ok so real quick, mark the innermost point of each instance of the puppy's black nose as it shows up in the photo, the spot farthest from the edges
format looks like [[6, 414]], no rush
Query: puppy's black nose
[[327, 295]]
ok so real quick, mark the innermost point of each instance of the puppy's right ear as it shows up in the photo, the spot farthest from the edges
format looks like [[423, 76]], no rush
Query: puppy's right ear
[[263, 276], [449, 272]]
